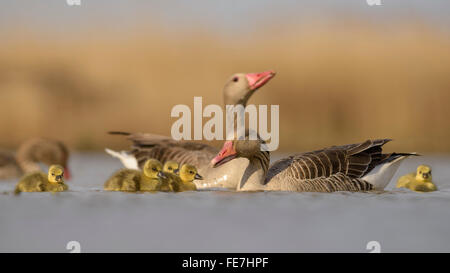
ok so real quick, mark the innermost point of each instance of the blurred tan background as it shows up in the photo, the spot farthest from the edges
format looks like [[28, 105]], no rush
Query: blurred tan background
[[361, 73]]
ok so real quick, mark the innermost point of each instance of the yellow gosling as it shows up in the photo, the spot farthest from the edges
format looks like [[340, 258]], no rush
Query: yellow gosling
[[420, 181], [39, 181], [123, 180], [134, 180], [187, 175], [170, 166], [152, 176]]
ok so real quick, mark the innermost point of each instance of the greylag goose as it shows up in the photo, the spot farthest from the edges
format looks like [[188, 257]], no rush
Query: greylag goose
[[39, 181], [237, 90], [353, 167], [30, 154]]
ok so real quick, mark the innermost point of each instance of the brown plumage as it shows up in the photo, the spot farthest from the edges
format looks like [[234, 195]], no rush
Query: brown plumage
[[30, 154], [337, 168], [145, 146], [237, 90]]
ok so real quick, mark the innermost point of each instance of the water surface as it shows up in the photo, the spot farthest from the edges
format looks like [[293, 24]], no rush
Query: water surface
[[400, 220]]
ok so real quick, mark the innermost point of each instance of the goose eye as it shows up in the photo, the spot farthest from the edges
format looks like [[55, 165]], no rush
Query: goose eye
[[53, 174], [170, 168], [235, 79], [154, 169]]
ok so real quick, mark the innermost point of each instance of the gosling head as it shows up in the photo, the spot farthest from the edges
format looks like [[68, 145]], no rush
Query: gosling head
[[170, 166], [55, 174], [423, 173], [240, 87], [188, 173], [153, 169]]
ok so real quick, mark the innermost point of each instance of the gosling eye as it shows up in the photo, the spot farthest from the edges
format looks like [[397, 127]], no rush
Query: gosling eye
[[191, 172], [53, 174], [154, 169], [235, 79], [170, 168]]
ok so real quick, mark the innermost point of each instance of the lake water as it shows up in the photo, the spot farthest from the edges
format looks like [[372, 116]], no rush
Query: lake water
[[219, 221]]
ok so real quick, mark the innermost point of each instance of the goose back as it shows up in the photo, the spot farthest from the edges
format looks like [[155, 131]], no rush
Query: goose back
[[146, 146], [335, 168]]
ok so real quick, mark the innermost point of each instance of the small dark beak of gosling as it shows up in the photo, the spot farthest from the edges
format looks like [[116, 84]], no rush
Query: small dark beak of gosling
[[425, 175], [59, 178], [198, 177], [176, 171], [161, 175]]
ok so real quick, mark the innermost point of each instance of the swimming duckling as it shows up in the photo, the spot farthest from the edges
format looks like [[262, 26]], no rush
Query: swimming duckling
[[123, 180], [187, 175], [152, 176], [420, 181], [38, 181], [134, 180]]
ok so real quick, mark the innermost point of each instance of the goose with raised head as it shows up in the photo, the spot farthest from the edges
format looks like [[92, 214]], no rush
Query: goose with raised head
[[30, 154], [353, 167], [237, 91]]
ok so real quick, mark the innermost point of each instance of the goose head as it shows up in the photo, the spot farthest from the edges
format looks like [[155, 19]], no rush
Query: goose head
[[423, 173], [55, 174], [188, 173], [232, 149], [170, 166], [153, 169], [240, 87], [47, 151]]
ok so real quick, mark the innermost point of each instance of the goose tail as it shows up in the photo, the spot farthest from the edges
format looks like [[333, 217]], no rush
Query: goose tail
[[382, 174], [128, 160], [119, 133]]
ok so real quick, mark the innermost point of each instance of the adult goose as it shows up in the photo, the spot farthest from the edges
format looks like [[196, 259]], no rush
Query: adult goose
[[353, 167], [238, 89], [30, 154]]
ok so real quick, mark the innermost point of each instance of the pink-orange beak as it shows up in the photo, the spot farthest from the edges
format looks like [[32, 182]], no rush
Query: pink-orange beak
[[67, 174], [226, 154], [256, 80]]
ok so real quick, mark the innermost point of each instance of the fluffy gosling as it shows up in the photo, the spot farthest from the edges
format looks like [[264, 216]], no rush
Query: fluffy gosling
[[420, 181], [129, 180], [187, 174], [39, 181]]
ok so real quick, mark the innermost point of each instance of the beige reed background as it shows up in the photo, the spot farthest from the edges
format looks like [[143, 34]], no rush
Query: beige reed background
[[337, 83]]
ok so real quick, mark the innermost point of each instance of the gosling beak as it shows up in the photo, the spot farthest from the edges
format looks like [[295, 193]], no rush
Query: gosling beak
[[161, 175], [425, 175], [198, 177], [226, 154], [58, 178], [176, 171], [256, 80], [67, 174]]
